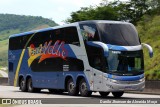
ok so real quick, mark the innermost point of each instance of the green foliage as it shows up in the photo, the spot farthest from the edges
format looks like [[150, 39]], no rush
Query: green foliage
[[136, 9], [11, 24], [154, 6], [10, 21], [102, 12], [149, 32]]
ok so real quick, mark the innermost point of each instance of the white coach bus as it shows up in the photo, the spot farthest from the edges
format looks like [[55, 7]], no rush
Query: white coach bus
[[82, 57]]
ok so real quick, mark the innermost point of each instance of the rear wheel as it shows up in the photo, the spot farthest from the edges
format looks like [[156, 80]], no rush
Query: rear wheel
[[118, 94], [30, 86], [104, 94], [72, 90], [84, 89], [22, 85]]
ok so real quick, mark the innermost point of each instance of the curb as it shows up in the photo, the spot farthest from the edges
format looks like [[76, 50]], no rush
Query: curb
[[3, 81], [146, 91]]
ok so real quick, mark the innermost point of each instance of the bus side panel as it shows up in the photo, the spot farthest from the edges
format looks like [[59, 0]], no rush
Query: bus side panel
[[40, 79]]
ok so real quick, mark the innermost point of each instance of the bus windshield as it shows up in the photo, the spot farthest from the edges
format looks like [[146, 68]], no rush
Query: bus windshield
[[125, 62], [119, 34]]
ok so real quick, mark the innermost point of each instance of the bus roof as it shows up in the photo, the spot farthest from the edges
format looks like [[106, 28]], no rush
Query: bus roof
[[67, 25], [104, 21]]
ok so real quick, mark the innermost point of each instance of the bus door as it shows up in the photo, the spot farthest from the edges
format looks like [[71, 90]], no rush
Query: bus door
[[88, 72], [97, 72], [95, 57]]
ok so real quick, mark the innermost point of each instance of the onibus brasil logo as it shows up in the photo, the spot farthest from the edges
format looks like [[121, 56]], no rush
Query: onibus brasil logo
[[47, 51]]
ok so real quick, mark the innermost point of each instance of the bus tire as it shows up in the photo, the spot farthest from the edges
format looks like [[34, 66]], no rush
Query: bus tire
[[22, 85], [104, 94], [118, 94], [72, 90], [30, 85], [84, 89]]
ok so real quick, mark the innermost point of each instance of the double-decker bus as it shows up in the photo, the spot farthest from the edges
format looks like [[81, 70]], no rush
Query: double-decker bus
[[82, 57]]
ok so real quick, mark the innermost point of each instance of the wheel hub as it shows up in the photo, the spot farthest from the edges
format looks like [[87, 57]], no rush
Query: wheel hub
[[30, 86], [83, 87], [71, 87], [22, 83]]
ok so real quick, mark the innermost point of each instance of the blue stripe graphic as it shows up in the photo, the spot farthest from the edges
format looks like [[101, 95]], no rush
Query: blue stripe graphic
[[125, 78]]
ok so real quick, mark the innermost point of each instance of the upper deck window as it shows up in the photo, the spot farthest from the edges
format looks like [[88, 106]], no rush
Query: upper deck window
[[68, 34]]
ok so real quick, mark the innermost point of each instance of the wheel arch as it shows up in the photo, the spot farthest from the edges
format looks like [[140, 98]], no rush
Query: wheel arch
[[79, 78], [66, 80], [28, 77]]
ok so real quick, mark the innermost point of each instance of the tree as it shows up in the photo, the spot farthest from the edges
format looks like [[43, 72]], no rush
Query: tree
[[131, 11], [136, 8], [154, 6], [105, 11]]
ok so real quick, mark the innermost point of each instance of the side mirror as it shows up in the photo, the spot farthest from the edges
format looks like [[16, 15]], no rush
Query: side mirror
[[100, 45], [149, 48]]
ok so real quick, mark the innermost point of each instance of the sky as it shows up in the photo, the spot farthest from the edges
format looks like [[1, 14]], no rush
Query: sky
[[57, 10]]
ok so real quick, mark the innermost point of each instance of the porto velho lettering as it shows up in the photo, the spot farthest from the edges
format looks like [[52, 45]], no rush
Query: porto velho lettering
[[47, 51]]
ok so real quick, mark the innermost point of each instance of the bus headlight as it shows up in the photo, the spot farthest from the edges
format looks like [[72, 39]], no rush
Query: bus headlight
[[141, 80], [112, 80]]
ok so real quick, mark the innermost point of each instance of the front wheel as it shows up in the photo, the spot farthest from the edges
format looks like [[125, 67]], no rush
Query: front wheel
[[118, 94], [84, 89], [104, 94]]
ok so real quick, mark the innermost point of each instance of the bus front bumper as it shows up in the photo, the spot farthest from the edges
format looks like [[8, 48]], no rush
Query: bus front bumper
[[111, 85]]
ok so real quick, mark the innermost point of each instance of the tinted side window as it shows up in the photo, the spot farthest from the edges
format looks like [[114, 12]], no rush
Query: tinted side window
[[57, 64], [96, 58], [10, 67], [41, 38], [16, 43], [57, 34], [89, 32], [50, 64], [71, 36], [73, 64]]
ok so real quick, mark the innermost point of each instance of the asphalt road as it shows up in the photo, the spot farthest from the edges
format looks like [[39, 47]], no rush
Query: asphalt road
[[14, 92]]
